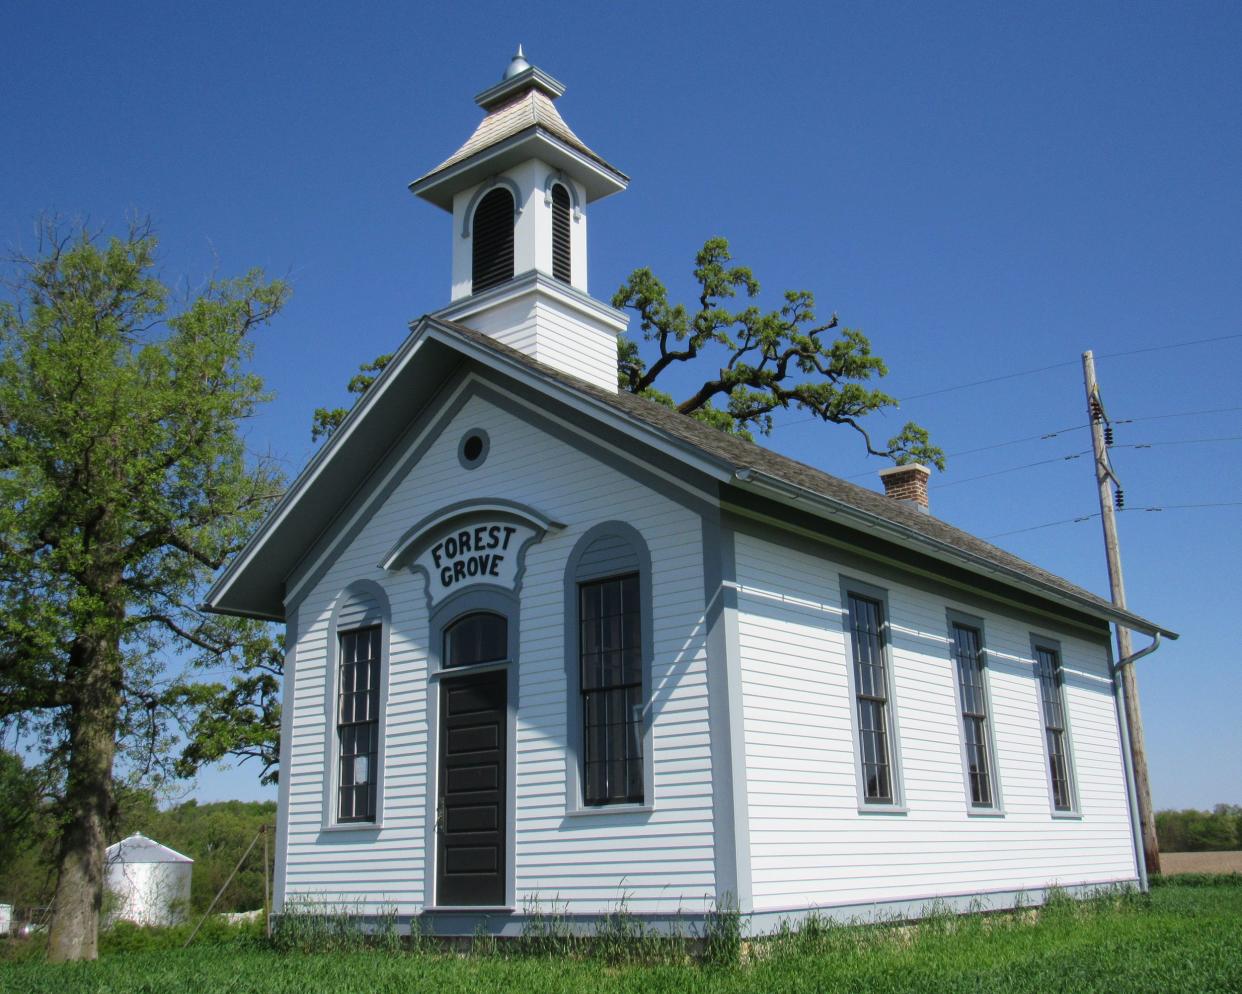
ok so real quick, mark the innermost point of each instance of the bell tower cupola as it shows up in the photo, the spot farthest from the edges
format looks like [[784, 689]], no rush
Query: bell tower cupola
[[519, 190]]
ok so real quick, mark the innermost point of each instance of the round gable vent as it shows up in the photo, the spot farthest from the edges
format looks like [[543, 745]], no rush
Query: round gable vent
[[472, 449]]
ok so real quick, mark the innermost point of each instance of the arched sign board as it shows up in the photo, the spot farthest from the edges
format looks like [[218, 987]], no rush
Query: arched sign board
[[468, 545]]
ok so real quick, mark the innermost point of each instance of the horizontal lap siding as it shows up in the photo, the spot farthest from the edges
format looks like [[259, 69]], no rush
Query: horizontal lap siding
[[574, 343], [809, 843], [344, 867], [658, 861]]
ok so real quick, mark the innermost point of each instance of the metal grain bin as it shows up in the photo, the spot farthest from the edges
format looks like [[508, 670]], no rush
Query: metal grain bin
[[147, 883]]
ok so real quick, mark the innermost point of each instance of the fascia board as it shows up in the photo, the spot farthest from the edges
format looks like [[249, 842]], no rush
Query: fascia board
[[532, 142], [313, 471], [825, 506], [532, 77]]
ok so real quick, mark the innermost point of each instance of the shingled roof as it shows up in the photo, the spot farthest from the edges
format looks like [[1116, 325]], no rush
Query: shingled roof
[[741, 456], [533, 109], [255, 581]]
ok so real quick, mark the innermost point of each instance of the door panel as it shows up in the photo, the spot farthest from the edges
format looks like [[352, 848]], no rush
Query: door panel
[[470, 819]]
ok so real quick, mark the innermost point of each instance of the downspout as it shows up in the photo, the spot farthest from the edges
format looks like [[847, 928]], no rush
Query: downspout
[[1127, 760], [1155, 644]]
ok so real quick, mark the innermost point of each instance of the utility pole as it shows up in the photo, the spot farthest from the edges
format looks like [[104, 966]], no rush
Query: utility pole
[[1129, 679]]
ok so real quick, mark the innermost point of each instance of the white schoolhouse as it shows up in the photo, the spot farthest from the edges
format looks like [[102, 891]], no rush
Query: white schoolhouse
[[553, 643]]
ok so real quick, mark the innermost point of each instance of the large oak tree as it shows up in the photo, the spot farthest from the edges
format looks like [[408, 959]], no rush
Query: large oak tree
[[124, 485], [752, 362]]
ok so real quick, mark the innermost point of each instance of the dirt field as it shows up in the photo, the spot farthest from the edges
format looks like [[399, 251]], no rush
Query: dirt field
[[1200, 862]]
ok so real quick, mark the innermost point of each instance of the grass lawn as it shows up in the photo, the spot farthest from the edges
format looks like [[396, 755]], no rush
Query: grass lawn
[[1182, 938]]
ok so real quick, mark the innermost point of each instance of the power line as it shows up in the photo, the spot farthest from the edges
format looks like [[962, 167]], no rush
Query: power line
[[1013, 469], [1173, 345], [1061, 431], [994, 445], [1061, 365], [990, 379], [1088, 517], [1175, 441], [1049, 524], [1189, 507], [1120, 421], [1078, 455], [1015, 441], [1179, 414], [1045, 435]]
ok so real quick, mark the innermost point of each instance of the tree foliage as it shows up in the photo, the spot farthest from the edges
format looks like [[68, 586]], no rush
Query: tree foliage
[[1218, 830], [214, 835], [239, 719], [768, 361], [327, 419], [783, 359], [124, 485]]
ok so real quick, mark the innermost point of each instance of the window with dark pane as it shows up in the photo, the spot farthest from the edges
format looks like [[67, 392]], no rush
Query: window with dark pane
[[560, 234], [492, 243], [968, 656], [871, 690], [481, 637], [611, 675], [358, 724], [1048, 670]]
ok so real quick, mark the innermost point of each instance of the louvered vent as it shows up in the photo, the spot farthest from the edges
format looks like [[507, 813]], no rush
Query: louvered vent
[[493, 241], [560, 234]]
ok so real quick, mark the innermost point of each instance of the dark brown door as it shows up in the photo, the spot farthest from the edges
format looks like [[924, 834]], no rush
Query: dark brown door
[[470, 815]]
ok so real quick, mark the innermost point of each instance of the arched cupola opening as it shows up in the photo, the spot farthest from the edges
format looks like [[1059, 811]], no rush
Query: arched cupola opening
[[492, 244], [561, 265]]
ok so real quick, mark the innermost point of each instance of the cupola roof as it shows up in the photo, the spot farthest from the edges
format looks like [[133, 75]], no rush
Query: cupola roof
[[521, 123]]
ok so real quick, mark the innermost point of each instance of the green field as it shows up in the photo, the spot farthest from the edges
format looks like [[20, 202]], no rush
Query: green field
[[1182, 938]]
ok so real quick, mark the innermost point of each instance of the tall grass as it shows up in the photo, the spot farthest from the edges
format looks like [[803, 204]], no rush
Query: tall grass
[[1178, 939]]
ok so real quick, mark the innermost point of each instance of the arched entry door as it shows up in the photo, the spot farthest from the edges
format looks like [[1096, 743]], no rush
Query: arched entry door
[[471, 816]]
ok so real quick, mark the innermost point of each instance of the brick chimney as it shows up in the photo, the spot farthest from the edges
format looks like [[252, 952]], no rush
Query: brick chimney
[[907, 484]]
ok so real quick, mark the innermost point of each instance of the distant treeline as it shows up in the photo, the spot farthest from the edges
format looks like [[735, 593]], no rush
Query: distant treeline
[[1218, 830], [213, 835]]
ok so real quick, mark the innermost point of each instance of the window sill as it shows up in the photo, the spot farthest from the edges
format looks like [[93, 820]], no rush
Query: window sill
[[470, 909], [985, 813], [359, 826], [1067, 815], [610, 809], [883, 809]]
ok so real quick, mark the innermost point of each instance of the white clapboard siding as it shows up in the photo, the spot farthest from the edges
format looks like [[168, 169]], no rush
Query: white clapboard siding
[[571, 341], [660, 861], [809, 843]]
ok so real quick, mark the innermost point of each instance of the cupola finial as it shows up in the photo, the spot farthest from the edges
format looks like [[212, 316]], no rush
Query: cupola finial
[[516, 65]]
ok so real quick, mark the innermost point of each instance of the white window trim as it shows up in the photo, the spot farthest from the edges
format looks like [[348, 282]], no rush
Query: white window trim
[[575, 805], [997, 808], [897, 806], [331, 809], [1074, 811]]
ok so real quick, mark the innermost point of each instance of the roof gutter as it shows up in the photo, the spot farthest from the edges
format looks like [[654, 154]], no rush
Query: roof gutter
[[907, 536]]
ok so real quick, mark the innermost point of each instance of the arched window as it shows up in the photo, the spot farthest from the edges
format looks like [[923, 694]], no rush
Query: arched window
[[480, 637], [561, 268], [492, 243], [608, 662], [359, 638]]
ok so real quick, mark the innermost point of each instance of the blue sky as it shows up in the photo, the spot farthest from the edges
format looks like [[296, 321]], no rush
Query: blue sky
[[984, 189]]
